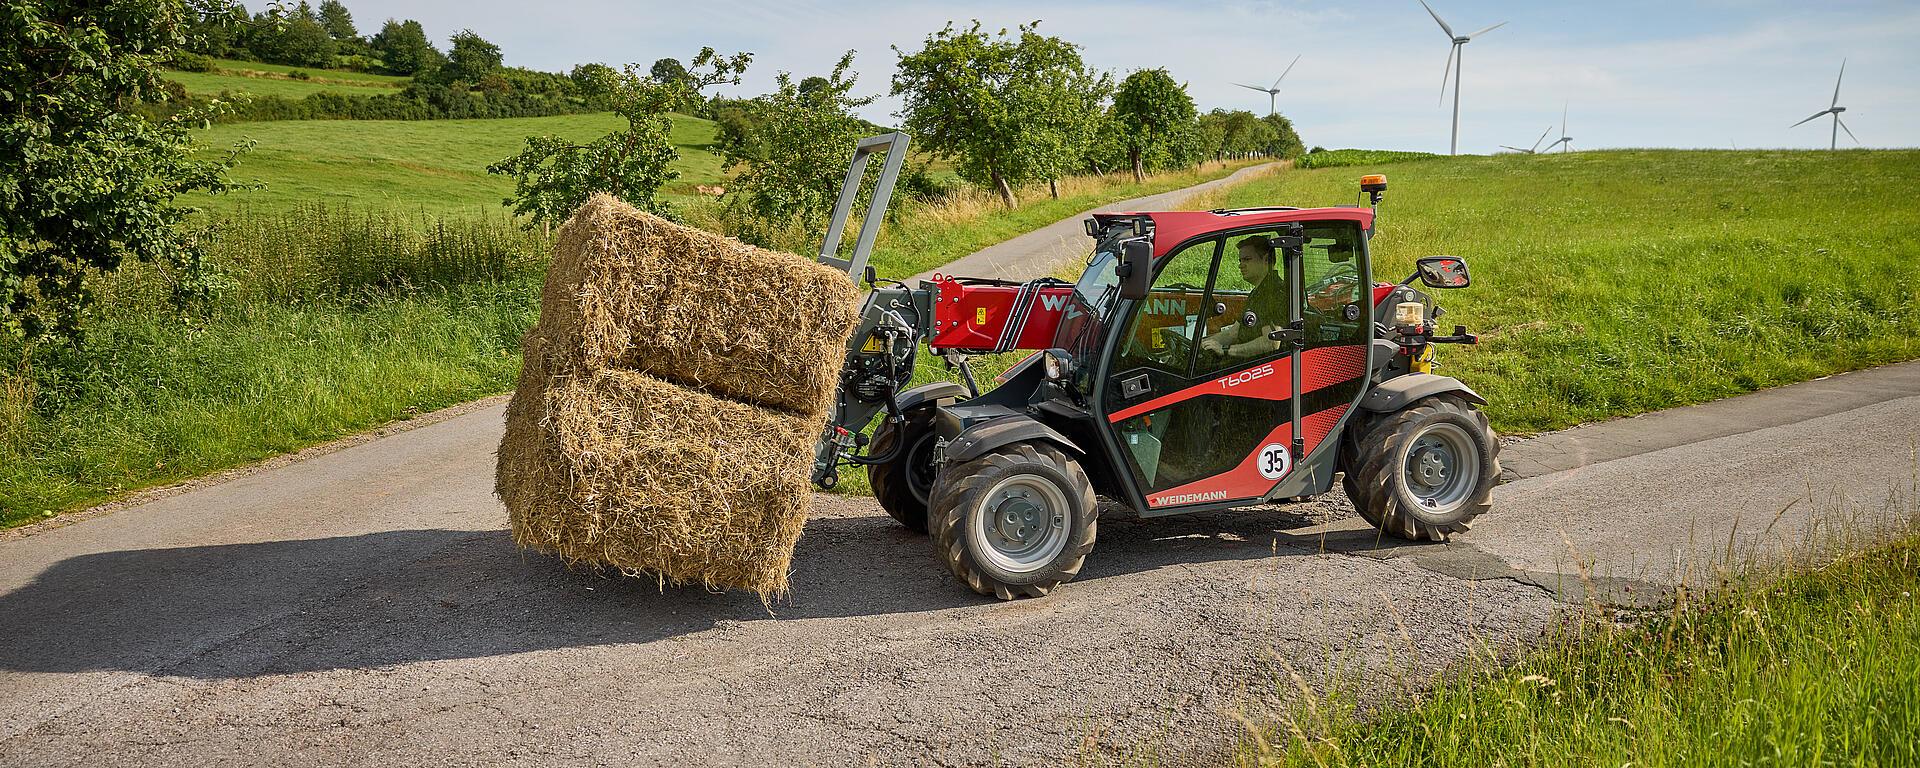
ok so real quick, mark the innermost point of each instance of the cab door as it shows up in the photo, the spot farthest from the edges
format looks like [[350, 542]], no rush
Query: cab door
[[1198, 426]]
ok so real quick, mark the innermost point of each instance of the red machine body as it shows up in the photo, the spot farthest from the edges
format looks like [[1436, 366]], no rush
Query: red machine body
[[975, 317]]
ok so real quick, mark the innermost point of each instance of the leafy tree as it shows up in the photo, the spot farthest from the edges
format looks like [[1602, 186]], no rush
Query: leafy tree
[[814, 84], [1282, 140], [737, 128], [1154, 115], [799, 146], [668, 71], [215, 30], [403, 48], [553, 176], [85, 182], [294, 40], [470, 59], [1006, 110], [337, 20], [594, 82]]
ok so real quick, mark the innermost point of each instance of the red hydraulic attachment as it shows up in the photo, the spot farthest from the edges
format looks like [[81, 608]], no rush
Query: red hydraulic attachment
[[974, 317]]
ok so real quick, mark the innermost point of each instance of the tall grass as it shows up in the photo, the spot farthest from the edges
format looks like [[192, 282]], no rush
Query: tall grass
[[1817, 667], [336, 321]]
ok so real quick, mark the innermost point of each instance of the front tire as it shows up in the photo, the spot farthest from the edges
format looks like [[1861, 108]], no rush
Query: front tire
[[1423, 473], [1017, 522], [904, 485]]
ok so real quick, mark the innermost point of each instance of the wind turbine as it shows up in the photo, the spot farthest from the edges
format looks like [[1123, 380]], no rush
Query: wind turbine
[[1535, 149], [1835, 109], [1272, 90], [1457, 51], [1565, 142]]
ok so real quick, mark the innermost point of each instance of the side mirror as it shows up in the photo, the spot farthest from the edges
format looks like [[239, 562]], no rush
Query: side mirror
[[1136, 269], [1443, 272]]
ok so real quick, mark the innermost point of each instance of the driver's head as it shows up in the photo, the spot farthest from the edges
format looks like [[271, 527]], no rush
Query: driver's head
[[1256, 258]]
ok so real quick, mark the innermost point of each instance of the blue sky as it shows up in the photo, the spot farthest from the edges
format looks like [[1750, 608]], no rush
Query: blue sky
[[1632, 74]]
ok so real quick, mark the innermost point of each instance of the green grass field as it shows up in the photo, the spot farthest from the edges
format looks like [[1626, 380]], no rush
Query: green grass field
[[435, 166], [216, 83], [237, 77], [1815, 668], [1619, 282]]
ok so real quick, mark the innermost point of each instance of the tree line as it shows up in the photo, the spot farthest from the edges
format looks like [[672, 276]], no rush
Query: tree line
[[1007, 109]]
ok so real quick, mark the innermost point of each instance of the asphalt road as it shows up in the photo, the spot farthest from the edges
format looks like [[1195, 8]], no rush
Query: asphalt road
[[364, 607]]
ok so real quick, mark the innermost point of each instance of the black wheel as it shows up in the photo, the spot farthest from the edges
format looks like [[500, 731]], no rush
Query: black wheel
[[904, 484], [1016, 522], [1426, 471]]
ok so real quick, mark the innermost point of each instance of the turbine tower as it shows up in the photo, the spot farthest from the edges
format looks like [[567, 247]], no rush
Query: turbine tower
[[1535, 149], [1457, 51], [1835, 109], [1272, 90], [1565, 142]]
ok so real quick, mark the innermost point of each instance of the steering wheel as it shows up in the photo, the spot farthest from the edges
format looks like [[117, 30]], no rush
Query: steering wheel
[[1175, 354]]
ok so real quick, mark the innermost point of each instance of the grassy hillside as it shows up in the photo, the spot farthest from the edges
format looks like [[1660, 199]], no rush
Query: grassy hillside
[[437, 166], [1619, 282], [253, 77]]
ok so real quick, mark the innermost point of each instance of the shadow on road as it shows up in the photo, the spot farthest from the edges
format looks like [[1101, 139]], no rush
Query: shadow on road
[[379, 599]]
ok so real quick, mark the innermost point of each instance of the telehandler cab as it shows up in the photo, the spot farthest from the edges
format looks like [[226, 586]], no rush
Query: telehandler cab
[[1204, 360]]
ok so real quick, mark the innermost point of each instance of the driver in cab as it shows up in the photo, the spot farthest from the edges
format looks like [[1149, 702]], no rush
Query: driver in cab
[[1267, 302]]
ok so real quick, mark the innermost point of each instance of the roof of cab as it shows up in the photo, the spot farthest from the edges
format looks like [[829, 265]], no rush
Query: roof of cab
[[1172, 228]]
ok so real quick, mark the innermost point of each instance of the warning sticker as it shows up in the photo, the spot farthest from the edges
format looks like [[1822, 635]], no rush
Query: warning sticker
[[979, 315]]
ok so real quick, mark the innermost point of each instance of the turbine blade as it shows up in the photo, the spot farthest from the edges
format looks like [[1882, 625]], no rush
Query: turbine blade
[[1446, 70], [1436, 19], [1543, 136], [1516, 149], [1283, 73], [1253, 87], [1836, 84], [1488, 29], [1843, 126], [1816, 115]]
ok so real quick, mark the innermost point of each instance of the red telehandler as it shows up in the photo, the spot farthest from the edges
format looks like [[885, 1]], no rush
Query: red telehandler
[[1204, 360]]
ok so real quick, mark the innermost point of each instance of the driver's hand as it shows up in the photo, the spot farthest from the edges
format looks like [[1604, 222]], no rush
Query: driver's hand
[[1215, 345]]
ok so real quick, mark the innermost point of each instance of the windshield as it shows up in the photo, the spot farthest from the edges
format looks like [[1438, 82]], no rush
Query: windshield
[[1083, 328]]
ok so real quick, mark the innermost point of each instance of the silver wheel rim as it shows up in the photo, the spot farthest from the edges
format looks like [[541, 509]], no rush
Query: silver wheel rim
[[1441, 469], [1020, 524]]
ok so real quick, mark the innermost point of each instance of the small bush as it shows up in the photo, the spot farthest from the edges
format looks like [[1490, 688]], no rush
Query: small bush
[[186, 61], [300, 74]]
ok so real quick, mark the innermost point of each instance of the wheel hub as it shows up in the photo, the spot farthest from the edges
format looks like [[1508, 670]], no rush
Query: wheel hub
[[1432, 463], [1018, 519]]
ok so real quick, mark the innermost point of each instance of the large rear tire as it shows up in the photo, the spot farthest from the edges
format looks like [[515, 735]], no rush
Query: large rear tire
[[1423, 473], [905, 485], [1017, 522]]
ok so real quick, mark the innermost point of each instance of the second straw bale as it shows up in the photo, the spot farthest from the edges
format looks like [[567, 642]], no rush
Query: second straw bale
[[638, 292]]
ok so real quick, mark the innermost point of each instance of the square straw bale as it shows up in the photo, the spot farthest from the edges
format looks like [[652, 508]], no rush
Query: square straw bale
[[638, 292], [627, 470]]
